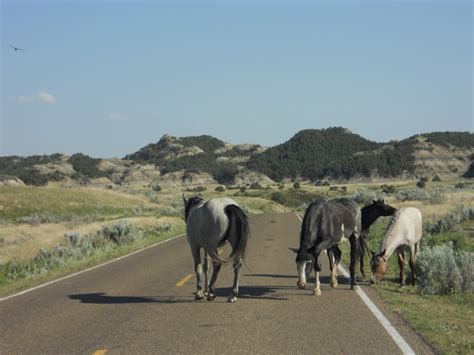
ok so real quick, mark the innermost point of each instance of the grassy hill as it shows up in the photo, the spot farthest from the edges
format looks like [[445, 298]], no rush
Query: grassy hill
[[314, 154]]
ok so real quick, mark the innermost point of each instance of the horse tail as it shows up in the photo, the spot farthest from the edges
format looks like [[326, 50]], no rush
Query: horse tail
[[363, 244], [238, 224]]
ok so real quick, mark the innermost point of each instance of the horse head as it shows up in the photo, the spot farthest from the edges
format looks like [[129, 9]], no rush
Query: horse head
[[378, 264], [383, 209]]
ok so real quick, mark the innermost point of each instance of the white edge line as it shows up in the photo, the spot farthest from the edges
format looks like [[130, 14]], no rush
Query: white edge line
[[89, 269], [397, 338]]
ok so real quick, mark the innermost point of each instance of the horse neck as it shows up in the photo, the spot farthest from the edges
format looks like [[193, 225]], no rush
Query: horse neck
[[391, 240], [369, 216]]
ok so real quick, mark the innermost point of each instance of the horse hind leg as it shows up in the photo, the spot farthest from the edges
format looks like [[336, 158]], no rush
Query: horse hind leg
[[401, 264], [354, 254], [414, 250], [196, 251], [216, 267], [235, 286], [334, 256], [205, 269], [337, 258]]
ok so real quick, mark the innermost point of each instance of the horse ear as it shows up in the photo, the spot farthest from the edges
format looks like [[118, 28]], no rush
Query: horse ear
[[294, 249], [374, 201], [382, 201], [382, 253], [372, 252], [185, 201]]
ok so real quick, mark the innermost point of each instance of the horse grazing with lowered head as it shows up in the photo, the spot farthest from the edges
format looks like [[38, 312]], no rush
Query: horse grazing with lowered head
[[209, 226], [325, 225], [404, 231], [370, 213]]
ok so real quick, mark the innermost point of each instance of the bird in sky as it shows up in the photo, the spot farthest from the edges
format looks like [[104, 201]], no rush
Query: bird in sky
[[16, 48]]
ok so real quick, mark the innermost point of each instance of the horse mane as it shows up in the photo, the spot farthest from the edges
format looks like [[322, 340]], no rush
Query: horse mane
[[391, 225], [191, 202]]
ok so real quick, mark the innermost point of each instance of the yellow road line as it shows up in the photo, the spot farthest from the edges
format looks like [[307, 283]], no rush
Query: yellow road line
[[184, 280], [99, 352]]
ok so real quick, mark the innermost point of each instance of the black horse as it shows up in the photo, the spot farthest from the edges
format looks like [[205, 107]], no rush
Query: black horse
[[324, 226], [370, 213]]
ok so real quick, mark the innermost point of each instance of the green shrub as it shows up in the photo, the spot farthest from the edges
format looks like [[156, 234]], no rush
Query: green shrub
[[421, 184], [322, 183], [388, 189], [437, 271], [75, 246], [156, 188], [220, 188], [436, 178], [364, 196], [278, 197], [465, 262], [296, 185], [256, 186], [411, 195]]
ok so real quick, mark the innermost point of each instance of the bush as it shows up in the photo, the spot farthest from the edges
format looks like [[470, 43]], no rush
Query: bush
[[322, 183], [296, 185], [465, 262], [424, 179], [436, 178], [256, 186], [156, 188], [388, 189], [435, 197], [220, 188], [243, 189], [278, 197], [421, 184], [122, 232], [74, 247], [364, 196], [199, 188], [451, 221], [438, 272]]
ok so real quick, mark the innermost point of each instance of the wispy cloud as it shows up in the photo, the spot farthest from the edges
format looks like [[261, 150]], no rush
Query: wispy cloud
[[24, 99], [42, 97], [114, 116], [46, 97]]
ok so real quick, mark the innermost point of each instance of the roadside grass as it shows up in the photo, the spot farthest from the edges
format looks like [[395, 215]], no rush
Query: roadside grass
[[56, 204], [445, 321], [20, 241], [152, 234]]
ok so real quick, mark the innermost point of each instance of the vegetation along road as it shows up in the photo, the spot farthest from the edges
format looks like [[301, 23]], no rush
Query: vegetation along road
[[145, 303]]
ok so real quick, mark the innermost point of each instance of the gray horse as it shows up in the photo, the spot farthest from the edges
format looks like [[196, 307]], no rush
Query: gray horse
[[209, 226]]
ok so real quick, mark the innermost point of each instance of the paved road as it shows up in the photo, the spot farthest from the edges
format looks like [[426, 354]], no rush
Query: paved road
[[134, 306]]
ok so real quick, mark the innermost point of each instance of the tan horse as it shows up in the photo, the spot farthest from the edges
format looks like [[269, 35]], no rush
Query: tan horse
[[404, 232]]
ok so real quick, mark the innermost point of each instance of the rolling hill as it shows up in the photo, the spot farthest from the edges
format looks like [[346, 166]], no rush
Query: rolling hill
[[335, 154]]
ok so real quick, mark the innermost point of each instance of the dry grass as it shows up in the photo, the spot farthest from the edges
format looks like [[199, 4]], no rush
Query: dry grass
[[22, 242]]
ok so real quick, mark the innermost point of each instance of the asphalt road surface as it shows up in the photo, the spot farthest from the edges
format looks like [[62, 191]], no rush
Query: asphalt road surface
[[144, 303]]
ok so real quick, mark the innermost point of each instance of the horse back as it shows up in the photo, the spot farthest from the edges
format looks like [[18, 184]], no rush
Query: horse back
[[328, 221]]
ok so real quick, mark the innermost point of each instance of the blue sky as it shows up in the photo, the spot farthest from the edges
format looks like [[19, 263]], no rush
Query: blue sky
[[105, 78]]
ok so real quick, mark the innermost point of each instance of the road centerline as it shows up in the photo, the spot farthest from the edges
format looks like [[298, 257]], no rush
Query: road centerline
[[185, 279]]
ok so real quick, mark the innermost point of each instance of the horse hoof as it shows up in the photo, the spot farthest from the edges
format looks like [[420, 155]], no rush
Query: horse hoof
[[232, 299], [317, 292], [334, 284], [211, 296], [198, 297]]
